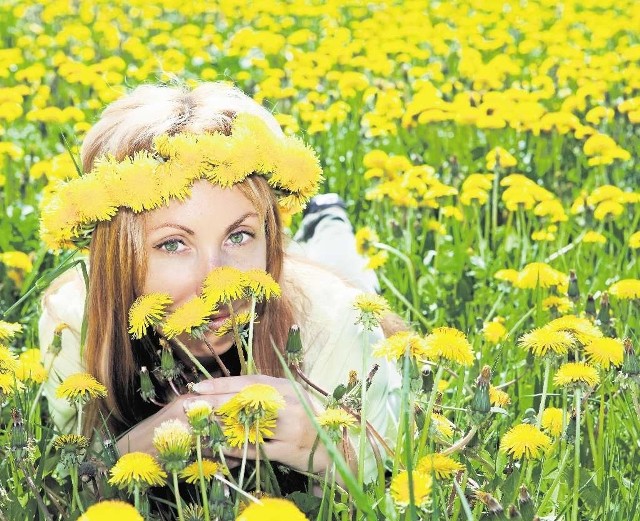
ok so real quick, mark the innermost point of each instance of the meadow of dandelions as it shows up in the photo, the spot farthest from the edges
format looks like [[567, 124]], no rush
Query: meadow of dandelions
[[487, 152]]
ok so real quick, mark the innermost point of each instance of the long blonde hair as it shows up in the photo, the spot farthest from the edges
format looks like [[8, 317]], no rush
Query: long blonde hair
[[117, 258]]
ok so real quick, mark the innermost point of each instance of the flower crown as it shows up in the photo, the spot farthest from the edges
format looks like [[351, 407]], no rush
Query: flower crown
[[152, 179]]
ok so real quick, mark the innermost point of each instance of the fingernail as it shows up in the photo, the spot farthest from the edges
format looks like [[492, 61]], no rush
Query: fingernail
[[197, 388]]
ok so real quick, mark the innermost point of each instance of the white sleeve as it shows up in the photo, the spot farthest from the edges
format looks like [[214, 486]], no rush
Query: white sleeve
[[335, 345], [62, 304]]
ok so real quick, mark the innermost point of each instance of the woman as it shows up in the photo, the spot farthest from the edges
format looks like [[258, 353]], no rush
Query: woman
[[165, 236]]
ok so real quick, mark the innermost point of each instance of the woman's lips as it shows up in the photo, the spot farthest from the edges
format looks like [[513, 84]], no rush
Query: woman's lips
[[217, 320]]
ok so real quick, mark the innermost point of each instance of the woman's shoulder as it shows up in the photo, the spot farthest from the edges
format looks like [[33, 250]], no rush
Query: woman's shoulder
[[64, 299]]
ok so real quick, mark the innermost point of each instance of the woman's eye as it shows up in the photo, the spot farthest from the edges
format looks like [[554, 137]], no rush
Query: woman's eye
[[170, 246], [238, 237]]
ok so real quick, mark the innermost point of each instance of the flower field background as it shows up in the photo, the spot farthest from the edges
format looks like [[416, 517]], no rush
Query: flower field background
[[487, 152]]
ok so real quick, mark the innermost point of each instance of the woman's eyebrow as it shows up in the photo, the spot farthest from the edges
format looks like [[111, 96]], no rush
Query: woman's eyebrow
[[238, 221], [189, 231]]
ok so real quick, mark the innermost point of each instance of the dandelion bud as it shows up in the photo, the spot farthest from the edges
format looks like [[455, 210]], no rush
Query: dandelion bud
[[19, 440], [147, 389], [353, 380], [604, 314], [216, 436], [109, 452], [173, 441], [481, 402], [396, 229], [527, 511], [339, 392], [570, 433], [590, 306], [169, 369], [630, 364], [72, 448], [513, 513], [294, 342], [573, 292], [198, 413], [491, 503]]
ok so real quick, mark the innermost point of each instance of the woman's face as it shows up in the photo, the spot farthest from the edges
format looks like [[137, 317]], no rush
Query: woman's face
[[184, 241]]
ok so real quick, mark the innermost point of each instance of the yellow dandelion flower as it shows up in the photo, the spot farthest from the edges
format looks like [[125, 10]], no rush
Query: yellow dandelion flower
[[73, 441], [241, 319], [236, 432], [224, 284], [634, 240], [8, 361], [365, 237], [80, 387], [147, 310], [576, 373], [524, 440], [608, 209], [198, 413], [192, 314], [442, 425], [471, 195], [450, 344], [9, 384], [109, 510], [581, 328], [16, 259], [395, 346], [540, 274], [371, 307], [336, 418], [560, 304], [137, 468], [626, 289], [508, 275], [371, 303], [30, 367], [499, 156], [377, 260], [552, 421], [260, 397], [8, 330], [594, 237], [498, 398], [173, 441], [543, 341], [605, 352], [399, 489], [191, 473], [494, 331], [261, 285], [271, 509], [442, 466]]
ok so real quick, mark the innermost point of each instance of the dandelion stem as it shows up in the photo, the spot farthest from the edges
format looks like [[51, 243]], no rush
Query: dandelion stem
[[545, 383], [193, 359], [177, 495], [559, 475], [34, 491], [244, 456], [203, 488], [427, 418], [403, 299], [410, 269], [237, 340], [251, 368], [136, 496], [257, 457], [576, 457]]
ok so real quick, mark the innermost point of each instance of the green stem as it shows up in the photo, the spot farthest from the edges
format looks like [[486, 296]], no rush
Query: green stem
[[79, 424], [244, 456], [74, 483], [251, 367], [427, 418], [257, 459], [559, 475], [410, 269], [136, 496], [403, 299], [408, 438], [177, 495], [191, 357], [237, 340], [203, 488], [545, 383], [576, 457]]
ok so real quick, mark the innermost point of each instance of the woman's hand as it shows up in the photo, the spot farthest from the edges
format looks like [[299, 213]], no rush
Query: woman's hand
[[294, 435], [292, 440]]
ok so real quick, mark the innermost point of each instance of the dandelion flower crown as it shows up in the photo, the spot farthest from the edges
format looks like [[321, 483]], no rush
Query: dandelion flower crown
[[149, 180]]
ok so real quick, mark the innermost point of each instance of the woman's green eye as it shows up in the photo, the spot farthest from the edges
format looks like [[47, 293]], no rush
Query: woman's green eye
[[171, 246], [236, 238]]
